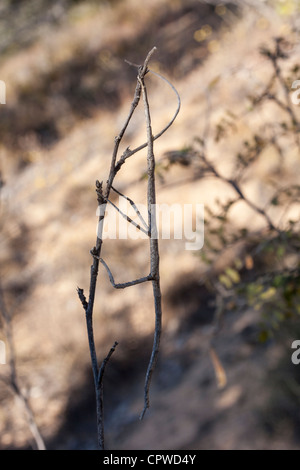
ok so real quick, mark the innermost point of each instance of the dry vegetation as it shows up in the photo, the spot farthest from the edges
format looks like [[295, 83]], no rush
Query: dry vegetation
[[68, 90]]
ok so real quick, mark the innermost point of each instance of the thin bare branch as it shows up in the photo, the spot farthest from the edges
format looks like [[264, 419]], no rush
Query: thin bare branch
[[133, 206], [100, 196], [103, 200], [104, 363], [128, 153], [13, 381], [154, 252], [124, 284], [128, 219], [100, 393], [142, 72], [240, 193]]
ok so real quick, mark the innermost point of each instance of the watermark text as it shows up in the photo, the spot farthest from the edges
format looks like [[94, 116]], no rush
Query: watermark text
[[296, 354], [2, 353], [295, 95], [177, 221], [2, 92]]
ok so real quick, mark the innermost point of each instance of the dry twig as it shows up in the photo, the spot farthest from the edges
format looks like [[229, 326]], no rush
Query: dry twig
[[149, 229], [13, 380]]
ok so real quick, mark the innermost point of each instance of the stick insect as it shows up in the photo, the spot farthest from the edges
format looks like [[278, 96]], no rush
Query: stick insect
[[149, 228]]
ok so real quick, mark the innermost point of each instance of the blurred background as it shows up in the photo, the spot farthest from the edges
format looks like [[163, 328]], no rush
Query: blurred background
[[225, 378]]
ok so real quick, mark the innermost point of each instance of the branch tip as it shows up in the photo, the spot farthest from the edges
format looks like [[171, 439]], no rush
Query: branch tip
[[82, 298], [104, 363]]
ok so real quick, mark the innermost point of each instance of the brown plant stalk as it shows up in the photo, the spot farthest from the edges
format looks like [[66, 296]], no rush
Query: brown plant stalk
[[148, 228], [13, 380]]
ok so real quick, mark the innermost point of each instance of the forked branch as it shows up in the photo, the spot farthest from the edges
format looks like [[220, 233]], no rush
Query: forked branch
[[148, 228]]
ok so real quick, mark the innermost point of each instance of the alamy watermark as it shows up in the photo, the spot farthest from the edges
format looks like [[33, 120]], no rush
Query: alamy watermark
[[296, 354], [2, 92], [2, 353], [177, 221], [295, 95]]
